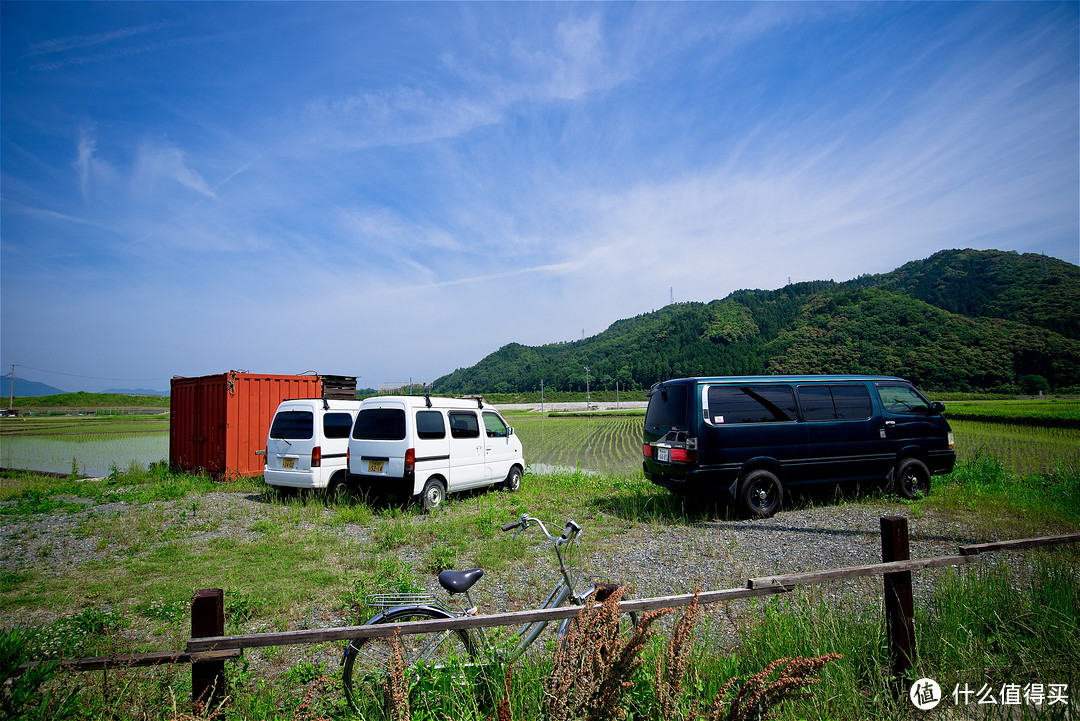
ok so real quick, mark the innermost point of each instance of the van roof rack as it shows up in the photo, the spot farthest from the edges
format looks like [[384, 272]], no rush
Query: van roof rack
[[479, 400]]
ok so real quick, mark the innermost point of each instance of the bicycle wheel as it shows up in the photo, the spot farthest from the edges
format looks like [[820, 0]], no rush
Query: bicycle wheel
[[367, 660]]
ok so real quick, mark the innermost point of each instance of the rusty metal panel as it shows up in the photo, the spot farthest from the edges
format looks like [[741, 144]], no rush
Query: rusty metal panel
[[219, 421]]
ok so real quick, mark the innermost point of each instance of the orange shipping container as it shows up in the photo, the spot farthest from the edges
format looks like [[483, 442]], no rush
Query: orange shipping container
[[218, 421]]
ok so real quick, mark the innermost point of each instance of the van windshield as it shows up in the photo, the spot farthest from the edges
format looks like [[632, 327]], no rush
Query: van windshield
[[298, 425], [667, 407], [380, 424]]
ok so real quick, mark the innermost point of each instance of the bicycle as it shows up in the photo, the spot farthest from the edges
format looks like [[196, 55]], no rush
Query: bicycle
[[367, 660]]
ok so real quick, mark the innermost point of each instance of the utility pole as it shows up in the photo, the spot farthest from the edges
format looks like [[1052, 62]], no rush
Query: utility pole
[[541, 395], [11, 388], [586, 387], [616, 395]]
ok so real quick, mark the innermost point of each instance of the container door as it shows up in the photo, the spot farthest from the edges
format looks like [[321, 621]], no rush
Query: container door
[[466, 450]]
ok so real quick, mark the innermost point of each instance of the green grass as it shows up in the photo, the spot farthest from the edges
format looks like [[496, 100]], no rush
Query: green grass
[[89, 401], [1064, 412]]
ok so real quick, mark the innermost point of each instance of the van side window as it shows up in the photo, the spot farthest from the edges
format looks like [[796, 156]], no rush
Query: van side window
[[494, 426], [293, 424], [852, 402], [429, 425], [836, 402], [380, 424], [902, 399], [463, 424], [336, 425], [751, 404], [817, 403]]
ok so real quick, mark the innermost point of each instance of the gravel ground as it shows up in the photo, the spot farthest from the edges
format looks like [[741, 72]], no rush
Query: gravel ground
[[658, 559]]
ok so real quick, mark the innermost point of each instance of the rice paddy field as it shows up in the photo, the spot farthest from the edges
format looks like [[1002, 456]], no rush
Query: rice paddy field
[[91, 445], [612, 443], [1029, 436]]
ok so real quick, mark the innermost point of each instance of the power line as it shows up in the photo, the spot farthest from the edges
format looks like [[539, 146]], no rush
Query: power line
[[94, 378]]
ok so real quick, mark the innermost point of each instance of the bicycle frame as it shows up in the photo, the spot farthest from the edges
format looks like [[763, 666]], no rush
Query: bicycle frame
[[562, 592]]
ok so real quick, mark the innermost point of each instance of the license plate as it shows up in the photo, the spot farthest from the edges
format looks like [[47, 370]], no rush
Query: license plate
[[374, 466], [288, 463], [663, 455]]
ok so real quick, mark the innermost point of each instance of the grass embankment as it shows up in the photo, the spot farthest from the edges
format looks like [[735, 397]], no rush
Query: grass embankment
[[90, 401], [301, 563]]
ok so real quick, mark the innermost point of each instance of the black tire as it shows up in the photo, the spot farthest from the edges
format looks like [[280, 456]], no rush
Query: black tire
[[433, 495], [513, 480], [911, 478], [367, 661], [761, 493], [337, 490]]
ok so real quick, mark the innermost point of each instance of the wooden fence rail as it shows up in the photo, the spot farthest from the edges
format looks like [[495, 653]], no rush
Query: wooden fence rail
[[209, 648]]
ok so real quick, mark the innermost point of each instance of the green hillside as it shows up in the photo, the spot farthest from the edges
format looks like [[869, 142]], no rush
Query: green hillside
[[960, 320]]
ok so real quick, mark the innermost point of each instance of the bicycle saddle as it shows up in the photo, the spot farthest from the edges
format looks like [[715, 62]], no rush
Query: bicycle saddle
[[460, 581]]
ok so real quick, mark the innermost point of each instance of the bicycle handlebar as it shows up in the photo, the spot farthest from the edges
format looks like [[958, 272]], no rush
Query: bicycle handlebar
[[571, 529]]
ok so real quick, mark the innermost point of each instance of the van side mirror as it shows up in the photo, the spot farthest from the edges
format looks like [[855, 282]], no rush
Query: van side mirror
[[509, 431], [937, 407]]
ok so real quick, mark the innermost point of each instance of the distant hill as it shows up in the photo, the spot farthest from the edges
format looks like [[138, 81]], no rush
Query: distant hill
[[135, 392], [959, 320], [25, 388]]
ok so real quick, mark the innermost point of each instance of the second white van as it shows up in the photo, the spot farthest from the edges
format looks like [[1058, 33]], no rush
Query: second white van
[[427, 447]]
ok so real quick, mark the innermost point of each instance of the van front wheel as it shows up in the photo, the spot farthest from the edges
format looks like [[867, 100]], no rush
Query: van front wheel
[[761, 493], [433, 495], [513, 480], [912, 478]]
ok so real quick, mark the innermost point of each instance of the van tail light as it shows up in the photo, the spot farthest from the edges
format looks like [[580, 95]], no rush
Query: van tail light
[[316, 456], [410, 460], [646, 450], [684, 455], [952, 442]]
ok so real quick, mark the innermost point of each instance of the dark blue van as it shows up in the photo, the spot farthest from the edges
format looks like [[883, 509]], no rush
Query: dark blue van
[[748, 439]]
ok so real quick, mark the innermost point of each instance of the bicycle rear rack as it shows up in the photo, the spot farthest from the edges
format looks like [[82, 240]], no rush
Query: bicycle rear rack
[[390, 600]]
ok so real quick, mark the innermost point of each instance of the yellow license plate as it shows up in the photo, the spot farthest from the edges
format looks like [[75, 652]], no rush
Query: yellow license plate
[[288, 463], [374, 466]]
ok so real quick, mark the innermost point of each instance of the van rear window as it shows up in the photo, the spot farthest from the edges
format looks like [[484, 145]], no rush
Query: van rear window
[[667, 407], [380, 424], [298, 425], [751, 404]]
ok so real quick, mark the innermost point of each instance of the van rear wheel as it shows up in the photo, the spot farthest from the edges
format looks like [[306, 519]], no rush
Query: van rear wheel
[[433, 495], [761, 493], [337, 490], [912, 478]]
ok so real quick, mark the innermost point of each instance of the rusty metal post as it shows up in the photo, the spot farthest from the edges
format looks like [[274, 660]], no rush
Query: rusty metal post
[[899, 604], [208, 619]]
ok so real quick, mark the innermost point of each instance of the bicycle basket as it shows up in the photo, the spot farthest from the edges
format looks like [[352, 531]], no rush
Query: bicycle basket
[[390, 600]]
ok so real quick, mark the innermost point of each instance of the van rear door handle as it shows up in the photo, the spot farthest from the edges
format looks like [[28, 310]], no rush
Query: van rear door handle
[[890, 423]]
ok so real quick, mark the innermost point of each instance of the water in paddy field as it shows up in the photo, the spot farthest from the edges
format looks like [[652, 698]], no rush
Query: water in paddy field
[[94, 455]]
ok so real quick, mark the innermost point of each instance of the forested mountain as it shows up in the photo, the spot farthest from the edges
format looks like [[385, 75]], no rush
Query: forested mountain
[[959, 320]]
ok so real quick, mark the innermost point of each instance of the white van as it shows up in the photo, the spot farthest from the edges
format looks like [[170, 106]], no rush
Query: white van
[[308, 444], [428, 447]]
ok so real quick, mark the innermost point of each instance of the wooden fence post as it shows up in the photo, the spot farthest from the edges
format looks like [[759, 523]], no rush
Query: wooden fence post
[[899, 605], [208, 619]]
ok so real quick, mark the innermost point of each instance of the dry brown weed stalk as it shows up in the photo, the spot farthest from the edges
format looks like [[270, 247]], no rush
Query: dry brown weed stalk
[[759, 693], [671, 668], [397, 689], [594, 663]]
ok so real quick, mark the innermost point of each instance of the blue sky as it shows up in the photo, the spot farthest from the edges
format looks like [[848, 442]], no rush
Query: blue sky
[[394, 190]]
